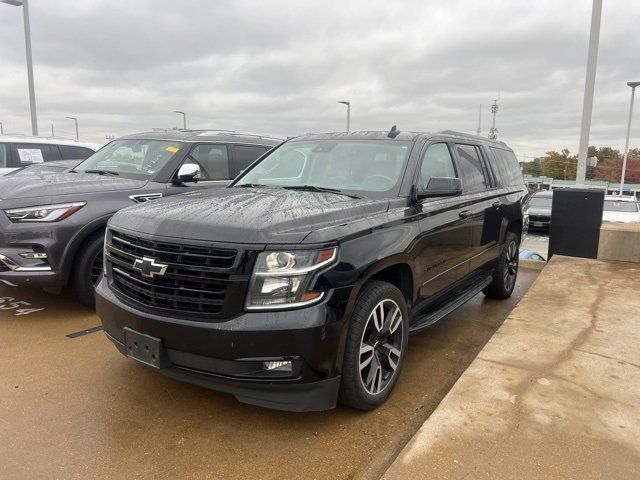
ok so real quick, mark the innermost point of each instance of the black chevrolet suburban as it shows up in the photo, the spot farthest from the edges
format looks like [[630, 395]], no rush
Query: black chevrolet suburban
[[52, 226], [297, 286]]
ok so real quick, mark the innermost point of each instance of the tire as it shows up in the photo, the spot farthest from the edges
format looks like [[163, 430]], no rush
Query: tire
[[368, 387], [84, 275], [506, 273]]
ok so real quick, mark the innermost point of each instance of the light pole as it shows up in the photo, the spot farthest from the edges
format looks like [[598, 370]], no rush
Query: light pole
[[1, 129], [184, 118], [75, 120], [589, 85], [52, 134], [348, 104], [27, 40], [633, 86]]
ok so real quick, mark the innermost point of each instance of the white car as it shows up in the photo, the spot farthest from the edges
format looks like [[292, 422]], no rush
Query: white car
[[621, 208], [18, 151]]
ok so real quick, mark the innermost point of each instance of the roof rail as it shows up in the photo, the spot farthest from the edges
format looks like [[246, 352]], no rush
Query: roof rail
[[238, 134], [470, 135]]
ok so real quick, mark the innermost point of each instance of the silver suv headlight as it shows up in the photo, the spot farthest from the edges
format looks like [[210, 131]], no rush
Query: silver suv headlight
[[281, 279], [44, 213]]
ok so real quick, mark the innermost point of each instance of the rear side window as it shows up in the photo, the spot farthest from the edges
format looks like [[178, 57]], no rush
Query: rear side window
[[245, 155], [437, 162], [470, 165], [506, 167], [213, 161], [71, 152], [3, 155], [28, 153]]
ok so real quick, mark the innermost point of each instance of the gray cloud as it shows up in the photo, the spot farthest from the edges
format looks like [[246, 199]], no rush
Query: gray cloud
[[279, 67]]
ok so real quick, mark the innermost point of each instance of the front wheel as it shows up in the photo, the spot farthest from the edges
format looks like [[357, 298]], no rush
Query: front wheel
[[375, 347], [506, 273], [87, 270]]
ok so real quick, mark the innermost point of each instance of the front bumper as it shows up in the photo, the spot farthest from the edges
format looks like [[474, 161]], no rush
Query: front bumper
[[216, 354], [19, 240]]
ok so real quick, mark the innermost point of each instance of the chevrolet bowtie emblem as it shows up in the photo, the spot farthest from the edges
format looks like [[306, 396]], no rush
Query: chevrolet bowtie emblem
[[149, 268]]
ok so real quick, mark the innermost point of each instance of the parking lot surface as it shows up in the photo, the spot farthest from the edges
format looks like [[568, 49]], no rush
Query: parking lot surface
[[73, 407]]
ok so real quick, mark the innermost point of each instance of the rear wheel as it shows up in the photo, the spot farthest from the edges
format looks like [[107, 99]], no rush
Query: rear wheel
[[87, 270], [506, 273], [376, 345]]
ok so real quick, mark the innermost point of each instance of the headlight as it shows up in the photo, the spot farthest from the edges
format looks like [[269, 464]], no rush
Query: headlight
[[281, 278], [44, 213]]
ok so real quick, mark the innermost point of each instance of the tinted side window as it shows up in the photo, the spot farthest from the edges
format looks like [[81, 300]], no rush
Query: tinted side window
[[506, 167], [437, 162], [70, 152], [470, 169], [245, 155], [29, 153], [213, 161]]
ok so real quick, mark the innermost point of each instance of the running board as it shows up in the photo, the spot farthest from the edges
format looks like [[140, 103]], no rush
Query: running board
[[456, 301]]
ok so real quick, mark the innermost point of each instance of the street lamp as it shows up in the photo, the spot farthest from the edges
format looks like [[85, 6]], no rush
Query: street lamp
[[589, 86], [27, 40], [633, 86], [75, 120], [348, 104], [184, 118]]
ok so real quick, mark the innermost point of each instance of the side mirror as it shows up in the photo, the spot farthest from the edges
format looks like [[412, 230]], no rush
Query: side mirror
[[441, 187], [189, 172]]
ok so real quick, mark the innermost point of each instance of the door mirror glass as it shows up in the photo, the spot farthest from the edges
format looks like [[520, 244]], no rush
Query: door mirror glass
[[189, 172], [441, 187]]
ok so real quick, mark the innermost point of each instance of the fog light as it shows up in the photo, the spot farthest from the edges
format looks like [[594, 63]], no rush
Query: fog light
[[278, 365]]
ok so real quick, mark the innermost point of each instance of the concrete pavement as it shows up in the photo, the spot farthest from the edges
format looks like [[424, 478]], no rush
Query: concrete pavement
[[555, 394]]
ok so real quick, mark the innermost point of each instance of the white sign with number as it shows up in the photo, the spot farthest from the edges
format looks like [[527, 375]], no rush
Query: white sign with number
[[30, 155]]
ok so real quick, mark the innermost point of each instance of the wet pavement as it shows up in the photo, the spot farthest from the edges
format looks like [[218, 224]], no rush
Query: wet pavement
[[73, 407], [553, 395]]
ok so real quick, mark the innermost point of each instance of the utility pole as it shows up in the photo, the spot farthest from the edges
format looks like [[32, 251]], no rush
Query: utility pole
[[52, 134], [493, 131], [1, 129], [109, 138], [479, 119], [589, 86]]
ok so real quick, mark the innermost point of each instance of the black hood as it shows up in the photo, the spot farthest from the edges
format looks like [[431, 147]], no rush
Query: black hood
[[246, 215], [15, 187]]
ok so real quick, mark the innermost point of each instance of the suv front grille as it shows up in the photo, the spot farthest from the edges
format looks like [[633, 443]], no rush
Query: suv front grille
[[539, 218], [196, 282]]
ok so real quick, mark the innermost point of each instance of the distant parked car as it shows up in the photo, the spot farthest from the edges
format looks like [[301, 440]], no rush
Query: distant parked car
[[46, 168], [621, 208], [529, 255], [539, 211], [19, 151]]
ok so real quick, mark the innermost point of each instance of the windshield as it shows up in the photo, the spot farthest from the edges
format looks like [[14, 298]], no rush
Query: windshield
[[138, 159], [617, 206], [371, 168], [541, 202]]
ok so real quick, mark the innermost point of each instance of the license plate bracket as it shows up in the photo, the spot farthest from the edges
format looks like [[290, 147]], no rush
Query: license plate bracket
[[145, 349]]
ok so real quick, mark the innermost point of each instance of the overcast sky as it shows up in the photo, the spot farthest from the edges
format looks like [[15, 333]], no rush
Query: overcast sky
[[278, 67]]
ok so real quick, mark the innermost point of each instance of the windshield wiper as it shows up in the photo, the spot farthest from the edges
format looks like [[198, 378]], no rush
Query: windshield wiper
[[251, 185], [314, 188], [102, 172]]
